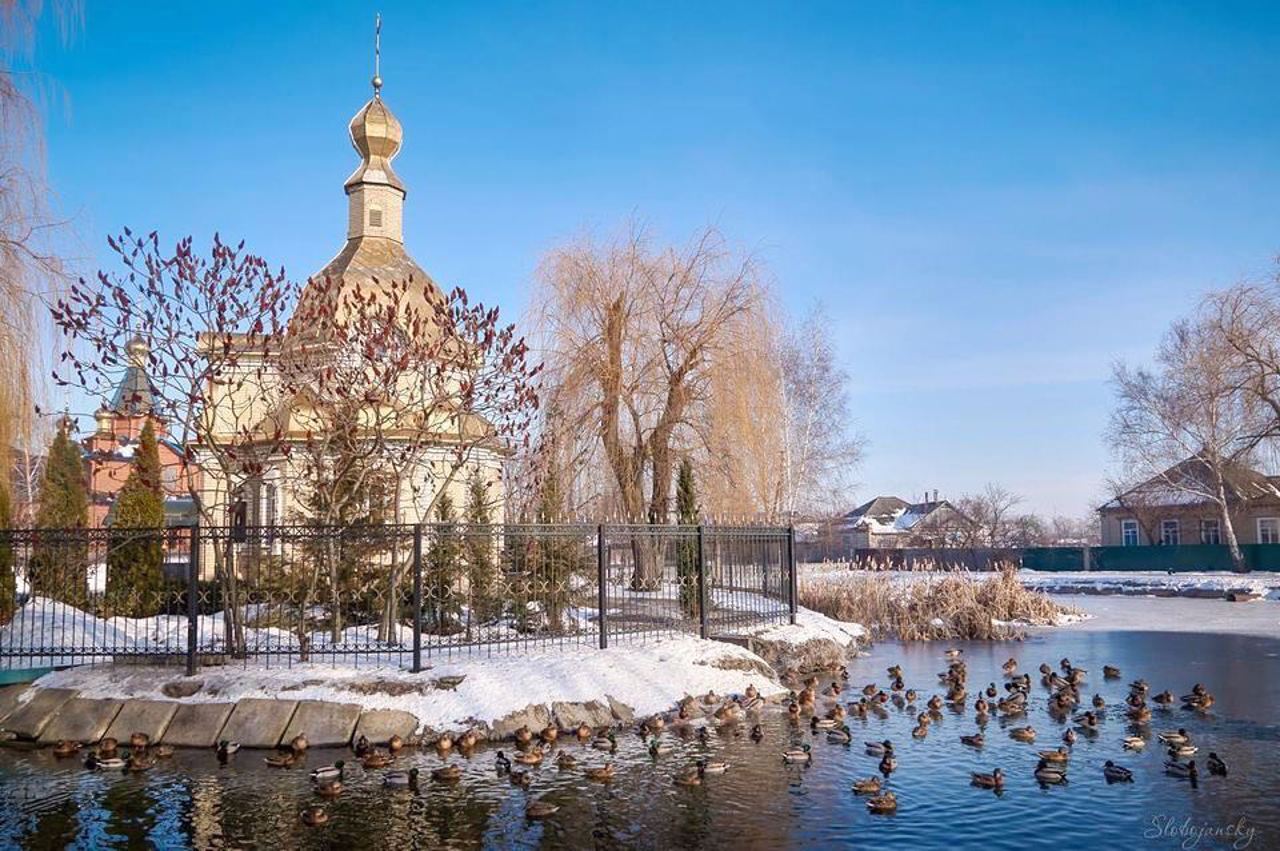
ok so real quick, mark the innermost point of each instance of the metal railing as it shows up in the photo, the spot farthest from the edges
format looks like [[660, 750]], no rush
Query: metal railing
[[379, 595]]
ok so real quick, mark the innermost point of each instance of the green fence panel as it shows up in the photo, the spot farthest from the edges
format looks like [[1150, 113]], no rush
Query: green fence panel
[[1053, 558], [1181, 559]]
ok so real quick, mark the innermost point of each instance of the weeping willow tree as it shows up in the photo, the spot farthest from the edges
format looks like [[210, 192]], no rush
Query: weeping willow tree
[[30, 267]]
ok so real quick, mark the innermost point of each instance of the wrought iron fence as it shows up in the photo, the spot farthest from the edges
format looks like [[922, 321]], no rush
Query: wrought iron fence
[[377, 595]]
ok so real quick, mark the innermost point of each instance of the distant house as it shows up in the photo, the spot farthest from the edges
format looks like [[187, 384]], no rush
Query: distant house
[[1170, 509], [888, 522]]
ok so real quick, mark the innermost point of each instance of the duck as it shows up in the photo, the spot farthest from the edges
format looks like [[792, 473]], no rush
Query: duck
[[540, 809], [911, 696], [1163, 699], [713, 766], [1181, 769], [447, 773], [1069, 736], [523, 779], [299, 743], [920, 731], [550, 733], [601, 773], [139, 741], [281, 760], [888, 764], [329, 788], [65, 748], [375, 760], [329, 772], [1087, 723], [659, 748], [801, 754], [1134, 743], [886, 803], [534, 756], [395, 744], [100, 763], [107, 746], [816, 723], [1023, 734], [879, 748], [363, 747], [1099, 702], [565, 761], [1139, 714], [690, 777], [314, 816], [994, 780], [401, 779], [840, 736], [1048, 774], [1216, 765], [1186, 750], [977, 740], [1060, 756], [757, 733], [140, 761], [894, 672], [869, 689], [501, 763], [1174, 737], [1110, 672], [954, 653], [161, 751], [226, 749], [444, 743], [1116, 773], [584, 731], [607, 742], [1010, 668], [523, 735], [867, 786]]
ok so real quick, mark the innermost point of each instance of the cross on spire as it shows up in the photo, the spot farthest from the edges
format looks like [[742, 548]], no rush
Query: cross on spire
[[377, 53]]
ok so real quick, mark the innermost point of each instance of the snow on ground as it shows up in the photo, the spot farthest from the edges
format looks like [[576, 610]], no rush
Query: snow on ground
[[646, 677], [1198, 584], [810, 626], [1191, 584]]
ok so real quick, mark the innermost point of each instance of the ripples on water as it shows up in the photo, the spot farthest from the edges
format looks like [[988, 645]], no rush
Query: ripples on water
[[191, 801]]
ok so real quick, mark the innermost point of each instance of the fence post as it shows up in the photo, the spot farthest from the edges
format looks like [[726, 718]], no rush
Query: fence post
[[417, 598], [702, 585], [791, 572], [193, 598], [602, 594]]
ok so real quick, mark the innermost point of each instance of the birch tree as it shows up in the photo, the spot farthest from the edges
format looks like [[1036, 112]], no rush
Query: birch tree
[[1188, 427]]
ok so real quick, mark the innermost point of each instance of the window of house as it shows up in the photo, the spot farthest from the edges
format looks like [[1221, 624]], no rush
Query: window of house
[[1269, 530], [1210, 532], [375, 218], [268, 505], [1170, 533], [1129, 533]]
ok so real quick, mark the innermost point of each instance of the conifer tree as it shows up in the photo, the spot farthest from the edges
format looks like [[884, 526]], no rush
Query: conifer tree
[[442, 567], [558, 558], [687, 514], [478, 548], [135, 561], [60, 559]]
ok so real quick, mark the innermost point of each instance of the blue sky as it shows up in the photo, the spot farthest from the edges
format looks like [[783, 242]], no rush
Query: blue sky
[[991, 201]]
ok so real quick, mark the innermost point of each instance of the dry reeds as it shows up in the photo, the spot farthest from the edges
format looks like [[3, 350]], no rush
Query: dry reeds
[[943, 605]]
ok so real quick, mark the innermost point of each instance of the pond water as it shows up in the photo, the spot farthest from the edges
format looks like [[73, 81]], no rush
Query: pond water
[[190, 800]]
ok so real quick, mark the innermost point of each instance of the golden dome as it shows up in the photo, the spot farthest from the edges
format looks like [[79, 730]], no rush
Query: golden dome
[[376, 136]]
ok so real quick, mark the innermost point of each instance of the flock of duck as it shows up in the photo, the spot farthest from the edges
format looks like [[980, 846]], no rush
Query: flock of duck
[[827, 712], [1012, 702]]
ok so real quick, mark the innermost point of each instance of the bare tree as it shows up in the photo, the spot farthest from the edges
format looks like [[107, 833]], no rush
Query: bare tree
[[212, 326], [990, 514], [820, 448], [629, 333], [1189, 427]]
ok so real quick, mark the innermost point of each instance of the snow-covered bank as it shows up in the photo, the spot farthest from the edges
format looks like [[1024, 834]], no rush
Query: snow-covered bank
[[485, 692], [1155, 583]]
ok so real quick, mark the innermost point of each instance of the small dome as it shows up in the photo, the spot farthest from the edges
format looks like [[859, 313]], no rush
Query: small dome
[[137, 351], [376, 136]]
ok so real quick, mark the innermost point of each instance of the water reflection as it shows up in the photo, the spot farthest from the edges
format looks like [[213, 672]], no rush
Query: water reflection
[[190, 801]]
